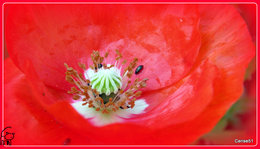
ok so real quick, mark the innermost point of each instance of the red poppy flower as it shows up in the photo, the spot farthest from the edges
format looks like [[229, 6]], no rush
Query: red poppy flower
[[194, 56]]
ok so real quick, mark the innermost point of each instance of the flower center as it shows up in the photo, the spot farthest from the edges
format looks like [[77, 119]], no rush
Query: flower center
[[105, 81], [102, 86]]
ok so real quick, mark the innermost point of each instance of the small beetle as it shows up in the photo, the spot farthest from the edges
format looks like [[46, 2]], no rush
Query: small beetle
[[139, 69]]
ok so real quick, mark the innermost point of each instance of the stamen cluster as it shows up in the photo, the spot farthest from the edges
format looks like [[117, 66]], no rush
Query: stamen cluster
[[123, 98]]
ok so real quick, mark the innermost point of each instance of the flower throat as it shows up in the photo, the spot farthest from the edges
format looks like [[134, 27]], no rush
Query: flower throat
[[102, 86]]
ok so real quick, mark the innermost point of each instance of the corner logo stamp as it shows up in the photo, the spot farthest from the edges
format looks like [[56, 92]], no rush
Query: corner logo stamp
[[7, 136]]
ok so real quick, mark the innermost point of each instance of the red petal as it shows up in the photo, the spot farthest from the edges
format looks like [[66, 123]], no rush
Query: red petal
[[227, 44], [187, 98], [166, 42], [56, 123], [225, 40], [29, 121], [248, 12], [182, 102]]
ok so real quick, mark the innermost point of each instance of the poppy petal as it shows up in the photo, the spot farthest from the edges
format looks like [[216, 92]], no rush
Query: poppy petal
[[62, 115], [51, 35], [181, 102], [30, 122], [165, 43], [225, 40], [248, 12], [227, 43]]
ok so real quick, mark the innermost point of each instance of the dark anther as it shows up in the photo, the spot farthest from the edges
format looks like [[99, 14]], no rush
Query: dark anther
[[88, 84], [106, 98], [121, 107], [100, 65], [128, 106], [139, 69]]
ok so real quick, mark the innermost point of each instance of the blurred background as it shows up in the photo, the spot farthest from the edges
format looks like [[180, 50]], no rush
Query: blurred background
[[240, 121]]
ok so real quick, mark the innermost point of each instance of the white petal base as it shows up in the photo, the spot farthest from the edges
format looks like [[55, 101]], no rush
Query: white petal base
[[99, 119]]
